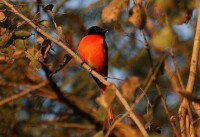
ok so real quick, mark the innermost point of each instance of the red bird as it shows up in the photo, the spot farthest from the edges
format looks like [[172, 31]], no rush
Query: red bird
[[94, 51]]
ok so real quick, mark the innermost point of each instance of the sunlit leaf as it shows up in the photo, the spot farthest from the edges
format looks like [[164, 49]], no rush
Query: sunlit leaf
[[44, 23], [32, 55], [10, 50], [2, 16], [6, 40], [101, 113], [40, 39], [20, 44], [21, 34]]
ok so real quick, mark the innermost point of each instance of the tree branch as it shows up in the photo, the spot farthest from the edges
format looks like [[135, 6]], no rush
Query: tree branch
[[23, 93], [184, 112]]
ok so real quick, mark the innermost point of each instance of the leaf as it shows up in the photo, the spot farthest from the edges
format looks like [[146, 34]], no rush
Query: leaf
[[182, 16], [137, 16], [2, 16], [40, 39], [101, 113], [44, 50], [10, 50], [112, 11], [44, 23], [67, 58], [20, 44], [129, 87], [164, 39], [106, 99], [21, 34], [32, 55], [118, 28], [99, 134], [48, 7], [6, 40]]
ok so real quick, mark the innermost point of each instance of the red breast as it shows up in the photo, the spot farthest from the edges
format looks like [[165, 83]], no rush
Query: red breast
[[91, 50]]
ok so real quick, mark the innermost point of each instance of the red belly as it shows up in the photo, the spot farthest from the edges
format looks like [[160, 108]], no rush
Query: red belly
[[91, 50]]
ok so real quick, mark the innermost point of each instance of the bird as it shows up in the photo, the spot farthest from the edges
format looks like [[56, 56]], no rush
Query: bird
[[93, 50]]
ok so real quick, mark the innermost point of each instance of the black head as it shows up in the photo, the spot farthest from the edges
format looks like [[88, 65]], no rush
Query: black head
[[96, 30]]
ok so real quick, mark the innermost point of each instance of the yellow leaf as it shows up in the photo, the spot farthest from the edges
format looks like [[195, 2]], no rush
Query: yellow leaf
[[164, 39], [2, 16]]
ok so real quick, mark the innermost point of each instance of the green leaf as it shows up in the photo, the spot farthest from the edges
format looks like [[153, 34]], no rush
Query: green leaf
[[99, 134], [44, 23], [20, 44], [164, 39], [6, 40], [10, 50], [32, 55], [21, 34], [101, 113]]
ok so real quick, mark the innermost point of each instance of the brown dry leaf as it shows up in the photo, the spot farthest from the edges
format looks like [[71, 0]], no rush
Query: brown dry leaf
[[184, 16], [112, 11], [40, 39], [137, 16], [118, 28], [2, 16], [122, 130], [129, 87], [196, 107]]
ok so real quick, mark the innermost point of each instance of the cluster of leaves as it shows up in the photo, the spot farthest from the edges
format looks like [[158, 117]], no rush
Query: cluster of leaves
[[129, 59]]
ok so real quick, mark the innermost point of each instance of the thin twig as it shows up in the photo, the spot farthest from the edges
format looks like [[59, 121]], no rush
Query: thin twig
[[176, 132], [177, 69], [65, 125], [148, 49], [23, 93]]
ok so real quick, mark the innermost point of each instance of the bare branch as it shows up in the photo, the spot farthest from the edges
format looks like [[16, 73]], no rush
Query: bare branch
[[23, 93]]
